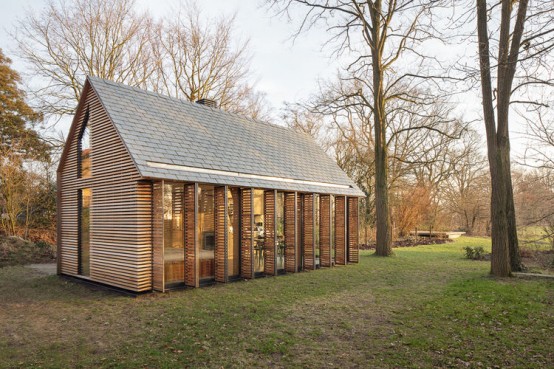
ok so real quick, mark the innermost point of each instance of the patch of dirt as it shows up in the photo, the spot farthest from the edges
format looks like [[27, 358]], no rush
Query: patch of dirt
[[538, 261], [410, 242], [17, 251]]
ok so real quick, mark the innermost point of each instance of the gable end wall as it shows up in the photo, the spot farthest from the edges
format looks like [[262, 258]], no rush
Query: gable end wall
[[121, 210]]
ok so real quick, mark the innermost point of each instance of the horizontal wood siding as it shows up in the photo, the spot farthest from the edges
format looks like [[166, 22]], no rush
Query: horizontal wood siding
[[290, 232], [220, 251], [353, 244], [325, 230], [120, 229], [269, 232], [340, 230], [247, 234]]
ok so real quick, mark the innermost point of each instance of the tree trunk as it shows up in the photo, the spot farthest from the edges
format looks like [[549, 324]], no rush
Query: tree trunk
[[382, 209]]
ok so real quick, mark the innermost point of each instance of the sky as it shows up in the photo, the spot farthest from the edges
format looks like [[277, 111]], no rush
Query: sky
[[284, 70]]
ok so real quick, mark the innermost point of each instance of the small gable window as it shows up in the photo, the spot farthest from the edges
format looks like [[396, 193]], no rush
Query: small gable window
[[85, 149]]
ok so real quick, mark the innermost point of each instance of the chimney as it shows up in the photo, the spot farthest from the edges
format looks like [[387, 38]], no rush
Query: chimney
[[207, 102]]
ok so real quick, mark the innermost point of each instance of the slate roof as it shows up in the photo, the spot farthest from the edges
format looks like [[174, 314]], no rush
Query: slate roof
[[174, 139]]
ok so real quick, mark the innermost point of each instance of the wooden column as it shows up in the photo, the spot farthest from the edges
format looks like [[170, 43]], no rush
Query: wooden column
[[325, 230], [247, 234], [340, 230], [191, 218], [353, 244], [158, 280], [291, 243], [308, 231], [220, 252], [270, 244]]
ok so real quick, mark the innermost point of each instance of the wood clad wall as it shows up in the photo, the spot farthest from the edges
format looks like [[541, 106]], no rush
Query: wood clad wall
[[353, 244], [120, 213], [290, 232], [191, 261], [270, 244], [247, 234], [325, 230], [340, 230], [158, 280], [308, 232], [220, 252]]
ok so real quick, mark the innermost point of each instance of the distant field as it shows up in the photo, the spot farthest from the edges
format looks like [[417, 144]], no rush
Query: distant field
[[424, 307]]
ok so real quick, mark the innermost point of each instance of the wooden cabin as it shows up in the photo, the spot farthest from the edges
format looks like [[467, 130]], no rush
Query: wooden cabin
[[157, 193]]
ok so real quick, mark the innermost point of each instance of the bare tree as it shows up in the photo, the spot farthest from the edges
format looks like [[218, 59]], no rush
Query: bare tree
[[501, 28], [71, 39], [378, 35], [199, 58]]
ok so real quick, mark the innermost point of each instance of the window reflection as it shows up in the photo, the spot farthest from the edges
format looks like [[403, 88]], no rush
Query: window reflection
[[259, 235], [206, 231], [84, 231], [85, 166], [174, 236], [233, 232], [280, 225]]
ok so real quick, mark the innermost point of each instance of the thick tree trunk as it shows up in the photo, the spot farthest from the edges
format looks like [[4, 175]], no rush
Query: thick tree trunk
[[382, 209], [513, 242]]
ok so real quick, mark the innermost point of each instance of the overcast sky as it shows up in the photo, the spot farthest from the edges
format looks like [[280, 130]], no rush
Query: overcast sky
[[284, 70]]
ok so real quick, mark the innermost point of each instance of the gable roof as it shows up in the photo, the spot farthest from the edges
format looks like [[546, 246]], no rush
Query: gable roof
[[173, 139]]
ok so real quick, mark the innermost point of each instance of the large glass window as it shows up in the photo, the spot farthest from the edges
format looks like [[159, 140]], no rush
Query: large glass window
[[259, 235], [85, 150], [316, 229], [233, 233], [174, 235], [85, 197], [206, 231], [280, 225]]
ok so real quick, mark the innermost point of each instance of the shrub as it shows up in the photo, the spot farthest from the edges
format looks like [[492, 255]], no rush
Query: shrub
[[475, 253]]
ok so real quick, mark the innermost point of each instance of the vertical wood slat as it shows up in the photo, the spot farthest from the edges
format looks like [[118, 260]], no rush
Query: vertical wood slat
[[290, 232], [247, 234], [158, 280], [270, 244], [325, 230], [191, 260], [353, 244], [220, 204], [308, 231], [340, 230]]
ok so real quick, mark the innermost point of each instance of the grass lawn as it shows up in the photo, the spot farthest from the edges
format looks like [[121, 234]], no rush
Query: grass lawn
[[425, 307]]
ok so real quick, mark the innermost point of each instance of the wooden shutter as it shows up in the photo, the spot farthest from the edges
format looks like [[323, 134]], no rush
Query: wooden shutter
[[325, 230], [191, 260], [220, 204], [247, 234], [309, 247], [270, 244], [353, 244], [290, 232], [340, 230]]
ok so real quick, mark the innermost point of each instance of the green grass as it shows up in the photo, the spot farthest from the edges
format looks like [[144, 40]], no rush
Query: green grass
[[426, 306]]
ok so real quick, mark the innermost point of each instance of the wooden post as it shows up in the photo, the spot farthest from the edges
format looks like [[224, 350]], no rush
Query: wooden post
[[247, 233], [192, 260], [325, 230], [309, 232], [221, 243], [291, 233], [353, 242], [340, 230]]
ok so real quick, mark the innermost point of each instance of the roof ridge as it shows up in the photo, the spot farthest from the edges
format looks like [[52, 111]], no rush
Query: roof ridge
[[196, 105]]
